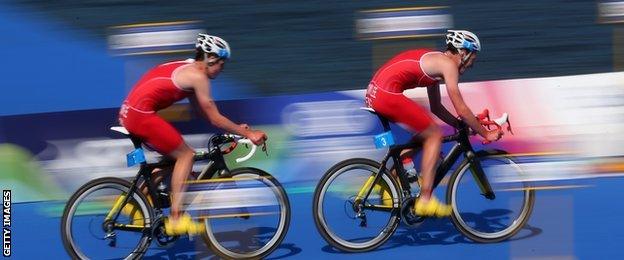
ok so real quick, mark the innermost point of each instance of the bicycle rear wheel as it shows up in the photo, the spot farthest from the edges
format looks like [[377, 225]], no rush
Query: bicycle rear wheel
[[337, 218], [488, 220], [88, 234], [248, 214]]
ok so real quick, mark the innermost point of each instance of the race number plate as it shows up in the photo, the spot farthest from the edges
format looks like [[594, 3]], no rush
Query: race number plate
[[135, 157], [384, 140]]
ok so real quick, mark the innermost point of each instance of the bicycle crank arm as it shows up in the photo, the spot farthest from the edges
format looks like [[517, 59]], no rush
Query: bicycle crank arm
[[112, 239]]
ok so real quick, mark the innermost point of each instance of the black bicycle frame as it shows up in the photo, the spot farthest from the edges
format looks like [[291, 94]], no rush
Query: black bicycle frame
[[216, 167], [462, 146]]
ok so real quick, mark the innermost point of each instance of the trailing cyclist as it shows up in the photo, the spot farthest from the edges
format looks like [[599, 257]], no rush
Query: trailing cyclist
[[164, 85], [427, 68]]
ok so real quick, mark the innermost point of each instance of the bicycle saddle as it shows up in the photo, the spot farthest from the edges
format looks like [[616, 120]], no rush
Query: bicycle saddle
[[383, 120], [135, 140], [120, 129], [371, 110]]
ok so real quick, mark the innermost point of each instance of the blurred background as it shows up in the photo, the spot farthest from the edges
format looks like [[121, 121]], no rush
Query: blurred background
[[287, 47], [298, 71]]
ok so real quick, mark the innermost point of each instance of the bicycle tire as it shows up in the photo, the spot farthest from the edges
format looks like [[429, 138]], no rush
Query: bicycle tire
[[320, 219], [82, 192], [279, 236], [489, 237]]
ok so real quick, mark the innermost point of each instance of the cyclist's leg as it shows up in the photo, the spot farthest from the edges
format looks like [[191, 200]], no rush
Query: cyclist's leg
[[397, 108], [400, 109], [432, 140], [416, 119], [184, 162], [427, 204], [165, 139], [178, 223]]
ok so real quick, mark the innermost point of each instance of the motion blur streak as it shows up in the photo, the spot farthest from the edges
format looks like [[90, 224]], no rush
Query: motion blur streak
[[230, 198]]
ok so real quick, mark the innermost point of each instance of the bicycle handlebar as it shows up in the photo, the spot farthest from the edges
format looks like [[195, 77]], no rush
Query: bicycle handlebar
[[237, 139], [251, 152], [484, 119]]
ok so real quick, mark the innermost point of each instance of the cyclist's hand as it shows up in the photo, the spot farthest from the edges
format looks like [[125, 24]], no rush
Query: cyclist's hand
[[493, 135], [257, 137]]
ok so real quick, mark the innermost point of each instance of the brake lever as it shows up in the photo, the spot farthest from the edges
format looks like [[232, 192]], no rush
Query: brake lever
[[264, 149], [487, 122], [509, 127]]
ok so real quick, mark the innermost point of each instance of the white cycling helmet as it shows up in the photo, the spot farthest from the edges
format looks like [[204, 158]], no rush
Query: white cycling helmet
[[462, 39], [213, 44]]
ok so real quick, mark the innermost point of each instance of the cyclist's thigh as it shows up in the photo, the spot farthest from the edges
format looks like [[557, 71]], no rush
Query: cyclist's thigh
[[154, 130], [397, 108]]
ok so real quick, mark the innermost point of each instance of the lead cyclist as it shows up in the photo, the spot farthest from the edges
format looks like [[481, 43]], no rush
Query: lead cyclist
[[427, 68]]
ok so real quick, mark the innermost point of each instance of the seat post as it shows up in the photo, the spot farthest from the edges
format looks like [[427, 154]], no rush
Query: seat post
[[136, 142], [384, 122]]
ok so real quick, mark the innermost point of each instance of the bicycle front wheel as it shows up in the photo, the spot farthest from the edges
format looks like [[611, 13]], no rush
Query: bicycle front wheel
[[90, 230], [249, 214], [494, 219], [342, 217]]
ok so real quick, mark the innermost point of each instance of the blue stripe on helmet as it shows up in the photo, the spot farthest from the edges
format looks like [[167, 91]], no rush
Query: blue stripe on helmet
[[223, 53], [469, 46]]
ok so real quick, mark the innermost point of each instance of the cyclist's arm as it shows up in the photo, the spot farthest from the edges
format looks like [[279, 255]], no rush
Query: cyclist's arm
[[449, 72], [208, 108], [435, 104]]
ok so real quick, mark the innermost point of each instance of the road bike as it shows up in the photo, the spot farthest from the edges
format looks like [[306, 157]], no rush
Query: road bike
[[359, 202], [246, 211]]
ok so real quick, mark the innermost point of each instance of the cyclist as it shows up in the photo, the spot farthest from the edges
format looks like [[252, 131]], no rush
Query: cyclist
[[164, 85], [426, 68]]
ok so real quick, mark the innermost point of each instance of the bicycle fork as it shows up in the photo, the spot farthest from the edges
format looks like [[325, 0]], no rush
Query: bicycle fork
[[477, 172]]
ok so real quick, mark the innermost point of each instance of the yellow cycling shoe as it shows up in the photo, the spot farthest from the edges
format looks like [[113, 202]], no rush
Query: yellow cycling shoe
[[432, 208], [384, 193], [133, 211], [184, 225]]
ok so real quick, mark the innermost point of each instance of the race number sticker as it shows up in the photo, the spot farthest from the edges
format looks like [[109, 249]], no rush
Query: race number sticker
[[135, 157], [384, 140]]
